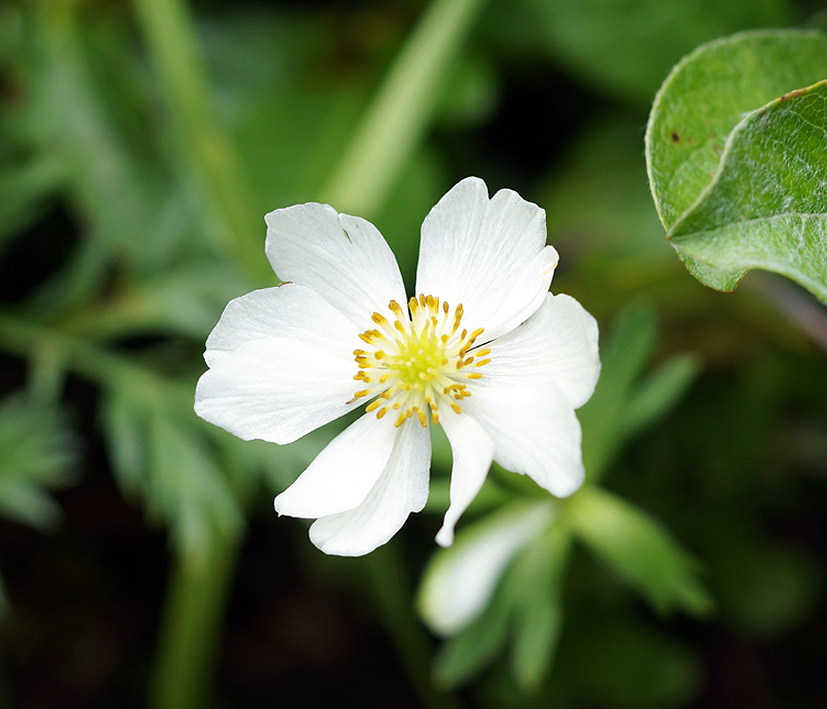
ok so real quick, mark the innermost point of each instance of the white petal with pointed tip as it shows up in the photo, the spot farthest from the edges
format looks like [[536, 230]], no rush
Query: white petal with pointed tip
[[343, 258], [535, 432], [460, 582], [287, 311], [275, 389], [401, 489], [488, 255], [472, 450], [343, 474], [557, 344]]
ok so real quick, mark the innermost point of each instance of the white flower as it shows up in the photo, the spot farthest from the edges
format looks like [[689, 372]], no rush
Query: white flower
[[483, 349]]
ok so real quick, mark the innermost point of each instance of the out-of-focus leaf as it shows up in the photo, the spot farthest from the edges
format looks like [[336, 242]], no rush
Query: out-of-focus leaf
[[765, 587], [620, 406], [633, 666], [38, 451], [737, 191], [624, 353], [640, 550], [470, 94], [656, 394], [461, 657], [539, 573], [84, 111], [599, 199], [23, 188], [169, 462], [185, 300], [603, 40], [460, 580], [189, 487]]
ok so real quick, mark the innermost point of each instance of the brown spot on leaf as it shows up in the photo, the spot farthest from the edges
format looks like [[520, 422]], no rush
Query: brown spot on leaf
[[675, 137], [792, 94]]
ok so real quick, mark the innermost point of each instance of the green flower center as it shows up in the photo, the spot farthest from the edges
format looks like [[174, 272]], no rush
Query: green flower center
[[417, 363]]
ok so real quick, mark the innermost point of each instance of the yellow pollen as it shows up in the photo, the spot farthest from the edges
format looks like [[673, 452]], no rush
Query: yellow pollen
[[419, 360]]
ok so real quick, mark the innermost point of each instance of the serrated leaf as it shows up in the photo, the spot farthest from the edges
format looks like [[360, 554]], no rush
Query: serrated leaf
[[639, 550], [738, 191], [38, 452], [189, 487], [164, 458]]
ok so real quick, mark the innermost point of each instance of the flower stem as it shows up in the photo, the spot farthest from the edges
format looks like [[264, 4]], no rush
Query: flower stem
[[387, 580], [401, 109], [190, 629]]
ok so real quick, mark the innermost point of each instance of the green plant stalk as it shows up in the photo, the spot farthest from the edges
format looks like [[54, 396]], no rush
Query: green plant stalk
[[401, 109], [391, 590], [190, 627], [169, 31], [196, 592]]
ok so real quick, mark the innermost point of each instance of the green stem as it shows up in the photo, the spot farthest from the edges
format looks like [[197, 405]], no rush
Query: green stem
[[190, 627], [401, 109], [170, 34], [391, 589], [197, 590]]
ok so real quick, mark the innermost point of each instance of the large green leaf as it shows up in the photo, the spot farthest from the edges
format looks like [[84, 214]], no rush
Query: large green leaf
[[737, 191], [639, 550]]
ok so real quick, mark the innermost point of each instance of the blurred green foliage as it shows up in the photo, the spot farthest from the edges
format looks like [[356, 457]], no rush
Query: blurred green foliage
[[141, 145]]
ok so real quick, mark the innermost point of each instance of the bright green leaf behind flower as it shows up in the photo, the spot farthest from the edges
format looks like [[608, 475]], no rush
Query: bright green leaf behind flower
[[639, 549], [737, 192]]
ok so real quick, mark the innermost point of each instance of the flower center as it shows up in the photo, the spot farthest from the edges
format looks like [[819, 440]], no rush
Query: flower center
[[419, 362]]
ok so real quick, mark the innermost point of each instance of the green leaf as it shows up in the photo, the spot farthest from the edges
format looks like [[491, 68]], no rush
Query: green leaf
[[538, 577], [37, 452], [461, 657], [624, 355], [639, 550], [737, 191], [459, 581], [634, 666], [168, 461], [659, 392]]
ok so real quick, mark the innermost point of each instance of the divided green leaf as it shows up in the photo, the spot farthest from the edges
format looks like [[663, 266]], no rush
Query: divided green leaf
[[38, 452]]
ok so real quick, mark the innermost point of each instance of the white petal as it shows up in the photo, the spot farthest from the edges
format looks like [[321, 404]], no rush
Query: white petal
[[276, 389], [287, 311], [343, 258], [472, 450], [402, 489], [488, 255], [535, 433], [557, 344], [461, 580], [343, 474]]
